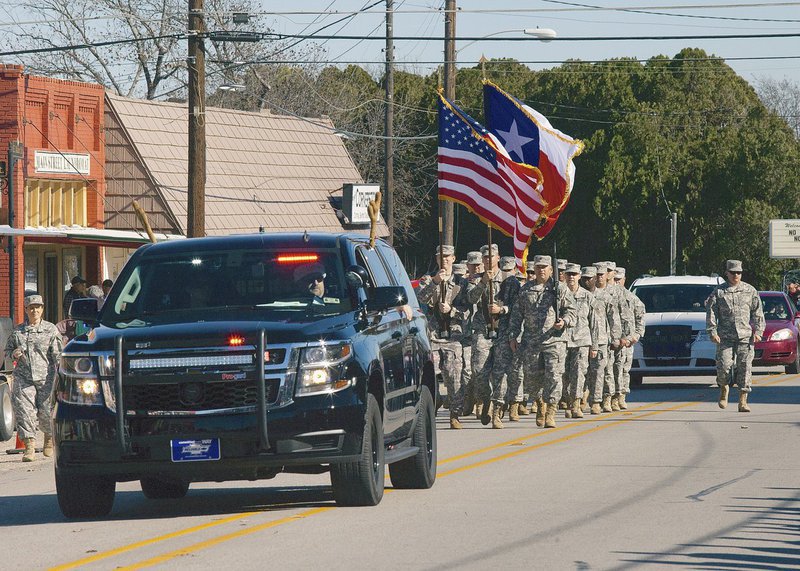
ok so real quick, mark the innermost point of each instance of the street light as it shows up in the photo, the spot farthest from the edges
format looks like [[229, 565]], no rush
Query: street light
[[542, 34]]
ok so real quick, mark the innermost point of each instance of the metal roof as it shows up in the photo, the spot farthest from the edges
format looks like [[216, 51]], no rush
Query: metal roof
[[263, 170]]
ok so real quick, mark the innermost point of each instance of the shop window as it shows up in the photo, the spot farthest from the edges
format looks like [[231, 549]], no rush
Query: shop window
[[31, 273], [56, 203], [71, 263]]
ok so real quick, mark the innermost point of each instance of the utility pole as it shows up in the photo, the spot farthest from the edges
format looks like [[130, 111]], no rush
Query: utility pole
[[446, 207], [196, 208], [388, 167], [673, 243]]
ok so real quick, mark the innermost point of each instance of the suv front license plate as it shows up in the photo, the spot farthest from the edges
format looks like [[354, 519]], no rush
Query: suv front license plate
[[195, 450]]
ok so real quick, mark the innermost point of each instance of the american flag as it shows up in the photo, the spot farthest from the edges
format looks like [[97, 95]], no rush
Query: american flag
[[476, 171]]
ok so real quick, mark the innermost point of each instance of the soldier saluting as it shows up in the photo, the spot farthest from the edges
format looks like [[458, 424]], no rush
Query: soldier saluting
[[730, 310], [545, 307]]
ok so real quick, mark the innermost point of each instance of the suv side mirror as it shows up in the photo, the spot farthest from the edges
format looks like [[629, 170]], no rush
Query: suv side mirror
[[84, 309], [386, 297], [356, 277]]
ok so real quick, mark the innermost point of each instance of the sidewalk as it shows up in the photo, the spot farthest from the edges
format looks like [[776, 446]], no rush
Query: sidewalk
[[9, 462]]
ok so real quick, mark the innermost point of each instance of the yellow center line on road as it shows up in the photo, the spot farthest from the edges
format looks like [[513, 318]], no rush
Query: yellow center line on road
[[315, 511]]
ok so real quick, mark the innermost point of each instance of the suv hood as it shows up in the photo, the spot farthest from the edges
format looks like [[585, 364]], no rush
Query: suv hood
[[694, 318]]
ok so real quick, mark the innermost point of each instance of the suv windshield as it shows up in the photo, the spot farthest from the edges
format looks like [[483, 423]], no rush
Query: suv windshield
[[207, 285], [674, 297]]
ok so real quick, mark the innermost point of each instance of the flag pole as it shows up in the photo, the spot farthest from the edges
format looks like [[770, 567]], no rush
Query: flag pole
[[491, 323]]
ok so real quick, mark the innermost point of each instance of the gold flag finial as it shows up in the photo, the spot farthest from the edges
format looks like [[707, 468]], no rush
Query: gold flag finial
[[483, 61]]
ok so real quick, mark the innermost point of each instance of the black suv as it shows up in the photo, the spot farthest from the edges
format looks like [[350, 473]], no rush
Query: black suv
[[244, 356]]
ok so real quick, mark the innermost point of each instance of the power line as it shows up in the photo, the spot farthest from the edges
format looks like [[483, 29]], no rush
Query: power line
[[54, 49]]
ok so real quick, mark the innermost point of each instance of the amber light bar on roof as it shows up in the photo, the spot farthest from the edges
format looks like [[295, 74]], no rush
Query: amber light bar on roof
[[295, 258]]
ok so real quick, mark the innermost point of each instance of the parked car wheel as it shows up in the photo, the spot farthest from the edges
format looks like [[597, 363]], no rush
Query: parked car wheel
[[419, 471], [7, 420], [161, 489], [360, 483], [85, 496]]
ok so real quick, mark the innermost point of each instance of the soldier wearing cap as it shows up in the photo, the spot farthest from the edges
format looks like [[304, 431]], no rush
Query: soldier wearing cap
[[474, 272], [481, 293], [545, 308], [446, 335], [735, 322], [632, 316], [35, 347], [613, 364], [608, 332], [561, 263], [579, 343]]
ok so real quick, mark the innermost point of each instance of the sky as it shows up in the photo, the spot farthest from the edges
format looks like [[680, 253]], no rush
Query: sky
[[568, 19]]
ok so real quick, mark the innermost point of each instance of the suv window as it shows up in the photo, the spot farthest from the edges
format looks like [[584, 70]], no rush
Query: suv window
[[377, 271], [398, 271], [674, 297], [205, 285]]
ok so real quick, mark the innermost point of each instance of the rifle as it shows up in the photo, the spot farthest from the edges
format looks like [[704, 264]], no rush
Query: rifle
[[556, 332], [442, 320], [488, 316]]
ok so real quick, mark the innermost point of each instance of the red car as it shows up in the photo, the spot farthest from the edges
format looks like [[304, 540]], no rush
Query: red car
[[780, 343]]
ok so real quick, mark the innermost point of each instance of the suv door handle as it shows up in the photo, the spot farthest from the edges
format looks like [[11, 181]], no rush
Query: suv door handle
[[396, 335]]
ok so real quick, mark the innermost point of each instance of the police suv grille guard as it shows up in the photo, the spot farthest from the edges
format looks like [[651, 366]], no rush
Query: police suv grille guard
[[261, 409]]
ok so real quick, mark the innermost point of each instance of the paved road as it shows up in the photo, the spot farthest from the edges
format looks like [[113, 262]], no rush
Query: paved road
[[672, 482]]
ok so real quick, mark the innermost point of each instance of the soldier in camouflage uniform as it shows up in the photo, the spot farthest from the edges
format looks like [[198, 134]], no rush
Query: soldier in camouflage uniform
[[504, 379], [633, 330], [545, 308], [579, 343], [735, 322], [561, 263], [36, 348], [447, 343], [474, 271], [612, 382], [484, 331], [608, 334]]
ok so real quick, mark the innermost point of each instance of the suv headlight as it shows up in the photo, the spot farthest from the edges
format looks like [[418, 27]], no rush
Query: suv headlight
[[78, 381], [781, 335], [322, 367]]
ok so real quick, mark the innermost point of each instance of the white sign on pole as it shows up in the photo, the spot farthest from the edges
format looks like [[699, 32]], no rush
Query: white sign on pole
[[784, 238], [355, 199]]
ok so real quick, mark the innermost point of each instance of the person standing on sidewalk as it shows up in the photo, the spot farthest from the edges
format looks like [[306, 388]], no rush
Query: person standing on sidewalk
[[35, 347], [735, 322]]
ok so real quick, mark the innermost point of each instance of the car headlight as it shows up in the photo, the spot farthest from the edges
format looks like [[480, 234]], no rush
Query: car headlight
[[781, 335], [321, 369], [77, 365], [78, 381]]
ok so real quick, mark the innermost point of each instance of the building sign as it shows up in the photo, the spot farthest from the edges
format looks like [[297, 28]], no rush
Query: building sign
[[61, 163], [784, 238], [355, 199]]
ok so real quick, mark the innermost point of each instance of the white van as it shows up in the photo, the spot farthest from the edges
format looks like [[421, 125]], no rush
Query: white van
[[675, 340]]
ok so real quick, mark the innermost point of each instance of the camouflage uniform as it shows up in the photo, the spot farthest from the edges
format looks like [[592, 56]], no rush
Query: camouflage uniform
[[579, 341], [449, 349], [477, 294], [505, 379], [730, 311], [607, 330], [613, 363], [632, 330], [34, 374], [543, 353]]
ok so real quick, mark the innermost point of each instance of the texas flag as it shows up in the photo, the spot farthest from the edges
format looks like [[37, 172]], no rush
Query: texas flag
[[529, 138]]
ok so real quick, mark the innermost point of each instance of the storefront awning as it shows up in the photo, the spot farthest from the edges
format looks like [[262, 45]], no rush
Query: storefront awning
[[84, 236]]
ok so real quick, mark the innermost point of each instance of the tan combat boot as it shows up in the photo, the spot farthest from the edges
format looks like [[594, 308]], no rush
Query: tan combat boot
[[595, 408], [455, 424], [562, 404], [478, 410], [615, 402], [723, 396], [540, 410], [534, 406], [577, 411], [30, 449], [623, 404], [585, 401], [513, 412], [523, 409], [743, 402], [607, 403], [47, 451], [496, 416], [550, 416]]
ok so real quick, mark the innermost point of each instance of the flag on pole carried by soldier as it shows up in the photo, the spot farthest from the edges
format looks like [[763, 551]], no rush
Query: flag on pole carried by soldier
[[477, 172], [529, 138]]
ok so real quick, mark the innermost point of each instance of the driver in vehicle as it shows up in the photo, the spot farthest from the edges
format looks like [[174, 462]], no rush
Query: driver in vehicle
[[311, 278]]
